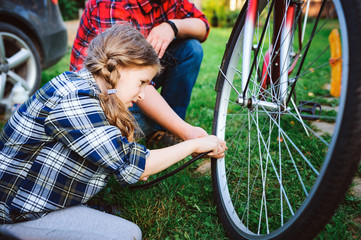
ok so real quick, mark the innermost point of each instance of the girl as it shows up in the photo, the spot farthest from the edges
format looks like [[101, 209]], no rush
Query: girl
[[60, 147]]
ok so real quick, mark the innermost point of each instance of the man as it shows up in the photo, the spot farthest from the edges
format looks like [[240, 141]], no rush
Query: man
[[175, 29]]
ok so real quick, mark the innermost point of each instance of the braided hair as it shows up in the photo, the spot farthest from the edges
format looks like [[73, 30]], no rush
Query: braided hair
[[121, 45]]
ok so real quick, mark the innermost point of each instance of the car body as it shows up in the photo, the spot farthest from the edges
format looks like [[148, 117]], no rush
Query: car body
[[33, 37]]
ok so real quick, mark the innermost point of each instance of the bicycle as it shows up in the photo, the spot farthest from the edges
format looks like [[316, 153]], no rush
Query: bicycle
[[283, 178]]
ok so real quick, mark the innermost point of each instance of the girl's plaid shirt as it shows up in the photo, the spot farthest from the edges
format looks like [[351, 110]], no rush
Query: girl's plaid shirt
[[58, 150]]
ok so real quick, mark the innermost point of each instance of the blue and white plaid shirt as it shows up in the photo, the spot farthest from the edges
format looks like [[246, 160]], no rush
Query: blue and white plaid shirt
[[58, 150]]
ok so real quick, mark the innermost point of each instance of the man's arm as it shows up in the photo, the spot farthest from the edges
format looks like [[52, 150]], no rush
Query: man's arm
[[191, 28], [162, 35]]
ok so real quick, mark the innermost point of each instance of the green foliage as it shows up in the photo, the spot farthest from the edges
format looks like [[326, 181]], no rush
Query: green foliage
[[69, 8], [218, 13]]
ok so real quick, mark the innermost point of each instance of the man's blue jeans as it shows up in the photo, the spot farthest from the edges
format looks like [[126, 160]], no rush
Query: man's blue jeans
[[181, 63]]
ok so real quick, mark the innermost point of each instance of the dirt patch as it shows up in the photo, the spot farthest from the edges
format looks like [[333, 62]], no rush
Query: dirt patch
[[324, 127], [205, 167], [356, 189], [72, 28]]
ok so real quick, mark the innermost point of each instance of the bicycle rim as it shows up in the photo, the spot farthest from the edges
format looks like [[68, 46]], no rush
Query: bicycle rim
[[279, 157]]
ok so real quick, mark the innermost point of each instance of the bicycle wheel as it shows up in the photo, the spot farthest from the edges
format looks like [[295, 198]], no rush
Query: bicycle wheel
[[283, 176]]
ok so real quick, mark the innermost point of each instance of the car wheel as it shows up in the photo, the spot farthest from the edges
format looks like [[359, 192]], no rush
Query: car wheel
[[19, 61]]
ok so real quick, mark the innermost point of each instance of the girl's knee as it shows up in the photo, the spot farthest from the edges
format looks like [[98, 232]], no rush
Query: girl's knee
[[127, 229], [137, 232]]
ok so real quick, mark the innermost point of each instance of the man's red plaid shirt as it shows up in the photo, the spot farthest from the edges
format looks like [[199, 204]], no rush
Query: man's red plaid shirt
[[142, 14]]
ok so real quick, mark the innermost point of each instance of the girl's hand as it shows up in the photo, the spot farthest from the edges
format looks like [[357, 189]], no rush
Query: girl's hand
[[211, 143], [144, 178]]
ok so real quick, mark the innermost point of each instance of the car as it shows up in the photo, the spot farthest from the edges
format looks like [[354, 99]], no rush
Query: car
[[33, 37]]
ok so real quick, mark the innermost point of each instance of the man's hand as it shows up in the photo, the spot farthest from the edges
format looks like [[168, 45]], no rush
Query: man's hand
[[160, 37]]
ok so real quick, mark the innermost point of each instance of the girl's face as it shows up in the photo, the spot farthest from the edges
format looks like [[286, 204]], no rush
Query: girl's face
[[132, 83]]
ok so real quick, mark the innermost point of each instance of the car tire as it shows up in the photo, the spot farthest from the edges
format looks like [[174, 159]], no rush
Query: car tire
[[19, 61]]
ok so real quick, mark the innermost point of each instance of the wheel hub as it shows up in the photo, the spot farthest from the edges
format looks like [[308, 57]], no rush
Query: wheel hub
[[253, 102]]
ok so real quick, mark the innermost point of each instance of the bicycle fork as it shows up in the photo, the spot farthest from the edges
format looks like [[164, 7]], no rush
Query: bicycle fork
[[277, 59]]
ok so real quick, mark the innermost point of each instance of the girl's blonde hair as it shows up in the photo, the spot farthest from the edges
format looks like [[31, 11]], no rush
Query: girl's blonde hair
[[121, 45]]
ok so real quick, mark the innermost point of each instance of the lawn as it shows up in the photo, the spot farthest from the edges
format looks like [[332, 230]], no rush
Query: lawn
[[182, 206]]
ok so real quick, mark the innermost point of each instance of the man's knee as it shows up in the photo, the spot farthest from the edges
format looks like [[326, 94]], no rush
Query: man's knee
[[195, 49], [189, 50]]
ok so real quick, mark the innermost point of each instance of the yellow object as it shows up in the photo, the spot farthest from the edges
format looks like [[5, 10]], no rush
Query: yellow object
[[335, 62]]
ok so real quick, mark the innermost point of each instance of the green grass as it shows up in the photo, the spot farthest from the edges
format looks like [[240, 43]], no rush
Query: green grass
[[60, 67], [182, 206]]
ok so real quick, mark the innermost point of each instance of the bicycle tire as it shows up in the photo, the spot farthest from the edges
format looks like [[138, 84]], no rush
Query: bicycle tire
[[337, 163]]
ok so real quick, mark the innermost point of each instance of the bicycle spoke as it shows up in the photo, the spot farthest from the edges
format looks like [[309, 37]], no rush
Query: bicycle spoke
[[229, 82], [296, 169], [277, 176], [294, 145]]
